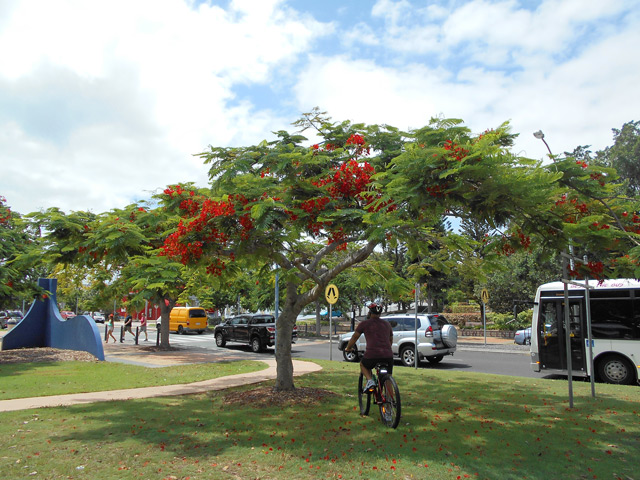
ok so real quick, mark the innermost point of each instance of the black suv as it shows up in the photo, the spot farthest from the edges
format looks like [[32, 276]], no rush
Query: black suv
[[257, 330]]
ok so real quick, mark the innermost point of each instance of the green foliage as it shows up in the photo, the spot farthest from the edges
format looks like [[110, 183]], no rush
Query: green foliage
[[19, 269], [624, 156], [505, 321], [464, 308]]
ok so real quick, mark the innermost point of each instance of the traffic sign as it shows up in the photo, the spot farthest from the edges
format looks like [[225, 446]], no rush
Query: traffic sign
[[331, 294], [485, 295]]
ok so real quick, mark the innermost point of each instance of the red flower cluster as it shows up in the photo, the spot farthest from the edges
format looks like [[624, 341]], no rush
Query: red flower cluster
[[314, 205], [437, 191], [6, 216], [247, 226], [174, 246], [174, 190], [456, 151], [598, 177], [360, 144], [355, 139], [350, 179], [216, 268], [594, 269], [338, 237], [190, 206]]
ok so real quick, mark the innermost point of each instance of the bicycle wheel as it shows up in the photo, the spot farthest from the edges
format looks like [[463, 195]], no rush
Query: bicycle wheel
[[390, 405], [364, 398]]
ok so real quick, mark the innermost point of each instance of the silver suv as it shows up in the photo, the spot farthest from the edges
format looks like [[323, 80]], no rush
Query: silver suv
[[436, 338]]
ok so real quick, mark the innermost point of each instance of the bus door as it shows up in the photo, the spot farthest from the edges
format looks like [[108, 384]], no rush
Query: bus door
[[551, 334]]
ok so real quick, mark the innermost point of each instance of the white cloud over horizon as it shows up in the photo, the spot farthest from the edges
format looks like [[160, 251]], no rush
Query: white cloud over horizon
[[102, 103]]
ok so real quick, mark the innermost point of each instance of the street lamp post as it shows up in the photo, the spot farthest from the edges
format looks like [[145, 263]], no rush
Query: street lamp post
[[567, 320]]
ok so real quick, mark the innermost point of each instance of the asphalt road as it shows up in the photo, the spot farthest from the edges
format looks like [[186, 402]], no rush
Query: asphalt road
[[507, 359]]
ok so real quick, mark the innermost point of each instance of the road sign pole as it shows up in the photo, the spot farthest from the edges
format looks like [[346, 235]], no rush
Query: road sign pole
[[330, 337], [484, 321], [484, 295], [415, 326], [331, 295]]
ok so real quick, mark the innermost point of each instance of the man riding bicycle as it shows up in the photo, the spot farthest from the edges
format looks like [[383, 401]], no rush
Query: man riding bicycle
[[379, 336]]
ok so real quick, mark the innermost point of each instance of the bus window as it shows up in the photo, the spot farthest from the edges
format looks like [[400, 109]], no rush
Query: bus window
[[614, 319], [549, 323]]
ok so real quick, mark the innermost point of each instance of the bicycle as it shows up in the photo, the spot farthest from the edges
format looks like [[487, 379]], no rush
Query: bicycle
[[385, 393]]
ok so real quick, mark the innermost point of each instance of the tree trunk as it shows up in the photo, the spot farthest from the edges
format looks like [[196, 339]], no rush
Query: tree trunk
[[165, 311], [284, 329]]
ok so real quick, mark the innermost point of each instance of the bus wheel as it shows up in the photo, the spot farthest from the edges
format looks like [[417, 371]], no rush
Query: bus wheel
[[615, 369]]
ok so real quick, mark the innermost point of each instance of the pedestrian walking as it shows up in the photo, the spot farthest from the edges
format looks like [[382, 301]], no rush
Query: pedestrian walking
[[128, 323], [110, 330], [143, 326]]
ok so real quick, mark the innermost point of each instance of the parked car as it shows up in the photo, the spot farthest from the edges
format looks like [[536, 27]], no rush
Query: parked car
[[436, 338], [257, 330], [67, 314], [3, 319], [334, 314], [11, 317], [523, 337], [98, 318]]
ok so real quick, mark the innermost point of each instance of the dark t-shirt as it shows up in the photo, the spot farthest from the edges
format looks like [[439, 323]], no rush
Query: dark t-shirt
[[377, 333]]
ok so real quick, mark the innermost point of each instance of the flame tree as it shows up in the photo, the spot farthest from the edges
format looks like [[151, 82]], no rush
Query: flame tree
[[313, 209]]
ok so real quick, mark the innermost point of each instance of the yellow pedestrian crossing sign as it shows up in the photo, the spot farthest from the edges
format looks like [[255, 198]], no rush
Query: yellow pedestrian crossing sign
[[331, 294], [485, 295]]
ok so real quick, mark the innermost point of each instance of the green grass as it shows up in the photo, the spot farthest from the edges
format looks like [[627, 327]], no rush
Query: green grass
[[23, 380], [454, 425]]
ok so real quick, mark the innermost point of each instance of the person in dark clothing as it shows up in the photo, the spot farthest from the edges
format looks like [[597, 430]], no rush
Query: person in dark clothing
[[128, 323], [379, 336]]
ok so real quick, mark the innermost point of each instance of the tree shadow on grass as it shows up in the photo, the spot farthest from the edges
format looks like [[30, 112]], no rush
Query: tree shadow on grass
[[454, 423]]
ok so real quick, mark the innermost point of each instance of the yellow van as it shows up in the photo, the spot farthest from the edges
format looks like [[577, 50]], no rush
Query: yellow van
[[187, 319]]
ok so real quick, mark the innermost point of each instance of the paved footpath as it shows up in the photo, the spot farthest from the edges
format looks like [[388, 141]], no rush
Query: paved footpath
[[299, 368]]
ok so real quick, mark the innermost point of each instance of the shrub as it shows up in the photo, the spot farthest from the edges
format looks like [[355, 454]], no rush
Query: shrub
[[461, 319], [465, 308]]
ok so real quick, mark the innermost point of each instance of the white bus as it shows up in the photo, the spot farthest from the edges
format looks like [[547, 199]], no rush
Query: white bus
[[615, 329]]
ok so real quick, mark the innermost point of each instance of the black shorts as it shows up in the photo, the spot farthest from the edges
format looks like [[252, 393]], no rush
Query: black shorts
[[371, 362]]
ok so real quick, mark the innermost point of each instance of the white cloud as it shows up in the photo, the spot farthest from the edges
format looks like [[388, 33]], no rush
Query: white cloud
[[101, 102], [106, 100]]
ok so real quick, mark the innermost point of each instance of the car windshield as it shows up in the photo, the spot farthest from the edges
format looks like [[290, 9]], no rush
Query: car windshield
[[197, 313]]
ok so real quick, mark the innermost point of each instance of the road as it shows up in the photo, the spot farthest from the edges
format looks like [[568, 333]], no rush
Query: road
[[497, 359]]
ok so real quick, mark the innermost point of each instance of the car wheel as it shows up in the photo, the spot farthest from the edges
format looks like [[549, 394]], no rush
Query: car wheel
[[256, 345], [220, 341], [180, 330], [435, 359], [616, 370], [200, 332], [407, 356], [350, 356], [527, 341]]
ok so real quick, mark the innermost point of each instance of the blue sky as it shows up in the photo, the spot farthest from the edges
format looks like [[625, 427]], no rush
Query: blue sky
[[102, 103]]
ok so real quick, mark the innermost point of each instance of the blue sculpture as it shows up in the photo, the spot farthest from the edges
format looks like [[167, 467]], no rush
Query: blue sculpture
[[43, 326]]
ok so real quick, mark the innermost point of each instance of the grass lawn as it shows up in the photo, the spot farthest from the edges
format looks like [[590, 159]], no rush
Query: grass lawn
[[23, 380], [454, 425]]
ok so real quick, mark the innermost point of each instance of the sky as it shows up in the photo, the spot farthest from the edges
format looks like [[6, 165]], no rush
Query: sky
[[103, 103]]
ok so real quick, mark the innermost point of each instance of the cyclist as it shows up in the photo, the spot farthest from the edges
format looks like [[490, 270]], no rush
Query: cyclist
[[379, 336]]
